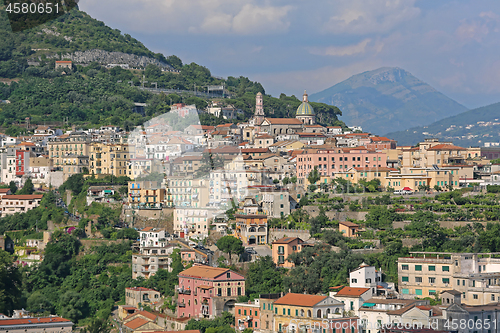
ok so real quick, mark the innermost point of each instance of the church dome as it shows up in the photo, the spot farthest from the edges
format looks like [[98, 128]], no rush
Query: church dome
[[305, 109]]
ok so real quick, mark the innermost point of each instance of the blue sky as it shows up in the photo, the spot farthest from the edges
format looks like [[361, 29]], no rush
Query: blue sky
[[292, 45]]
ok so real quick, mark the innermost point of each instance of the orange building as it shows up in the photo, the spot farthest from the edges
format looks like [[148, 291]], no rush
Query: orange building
[[349, 229], [247, 315], [283, 247]]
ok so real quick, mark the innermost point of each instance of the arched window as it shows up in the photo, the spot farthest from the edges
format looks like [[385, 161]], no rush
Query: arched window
[[309, 313], [337, 310], [302, 313], [318, 313]]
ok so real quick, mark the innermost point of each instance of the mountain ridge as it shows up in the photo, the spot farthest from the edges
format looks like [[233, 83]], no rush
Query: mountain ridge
[[469, 128], [387, 97]]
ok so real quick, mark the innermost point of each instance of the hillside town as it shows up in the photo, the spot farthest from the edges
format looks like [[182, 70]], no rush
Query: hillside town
[[207, 202]]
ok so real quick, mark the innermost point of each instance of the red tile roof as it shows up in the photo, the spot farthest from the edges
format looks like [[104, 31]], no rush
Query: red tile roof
[[445, 146], [284, 121], [286, 240], [140, 289], [27, 321], [348, 291], [299, 299], [22, 197], [204, 271], [185, 331], [348, 224], [136, 323]]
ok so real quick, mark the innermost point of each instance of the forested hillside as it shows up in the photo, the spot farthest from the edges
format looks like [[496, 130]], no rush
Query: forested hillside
[[92, 95], [74, 31]]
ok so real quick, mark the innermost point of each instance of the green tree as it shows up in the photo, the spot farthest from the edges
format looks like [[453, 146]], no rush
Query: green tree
[[10, 284], [12, 187], [27, 188], [313, 176], [98, 326], [230, 245]]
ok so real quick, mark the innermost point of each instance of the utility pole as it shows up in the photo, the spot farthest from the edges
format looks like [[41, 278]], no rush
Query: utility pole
[[144, 80]]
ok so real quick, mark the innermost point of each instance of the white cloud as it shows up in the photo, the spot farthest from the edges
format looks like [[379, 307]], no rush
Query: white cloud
[[366, 46], [245, 17], [370, 16], [479, 28], [341, 51], [253, 19]]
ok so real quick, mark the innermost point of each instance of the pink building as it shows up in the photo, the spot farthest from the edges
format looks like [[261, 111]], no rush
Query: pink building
[[206, 291], [338, 160]]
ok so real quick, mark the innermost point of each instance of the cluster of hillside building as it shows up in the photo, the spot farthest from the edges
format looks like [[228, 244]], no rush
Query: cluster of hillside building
[[207, 166], [367, 304]]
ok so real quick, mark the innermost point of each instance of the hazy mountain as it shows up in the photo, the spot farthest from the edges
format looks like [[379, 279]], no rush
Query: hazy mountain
[[470, 128], [386, 99]]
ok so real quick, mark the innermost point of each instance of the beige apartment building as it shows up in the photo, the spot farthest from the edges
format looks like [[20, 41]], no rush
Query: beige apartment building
[[148, 260], [475, 275], [185, 192], [74, 164], [109, 159], [11, 204], [68, 144]]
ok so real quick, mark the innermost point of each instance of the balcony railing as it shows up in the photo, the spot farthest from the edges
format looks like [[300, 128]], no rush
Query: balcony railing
[[182, 305]]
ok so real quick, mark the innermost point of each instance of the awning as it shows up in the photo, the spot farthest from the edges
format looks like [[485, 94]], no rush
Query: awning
[[368, 305], [107, 191]]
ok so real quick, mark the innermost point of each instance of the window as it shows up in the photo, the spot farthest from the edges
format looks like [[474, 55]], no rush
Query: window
[[492, 297], [432, 268], [288, 312], [239, 311], [418, 292], [446, 268], [475, 296], [446, 280], [404, 267], [418, 267], [432, 292], [284, 311], [354, 280], [404, 279], [406, 291], [263, 306], [228, 275], [432, 280], [418, 279]]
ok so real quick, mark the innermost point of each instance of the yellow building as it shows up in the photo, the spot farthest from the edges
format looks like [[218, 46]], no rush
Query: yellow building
[[109, 159], [406, 177], [286, 146], [293, 311], [146, 194], [67, 144]]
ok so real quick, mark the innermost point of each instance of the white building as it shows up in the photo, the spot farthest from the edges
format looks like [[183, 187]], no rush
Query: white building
[[153, 237], [365, 276]]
